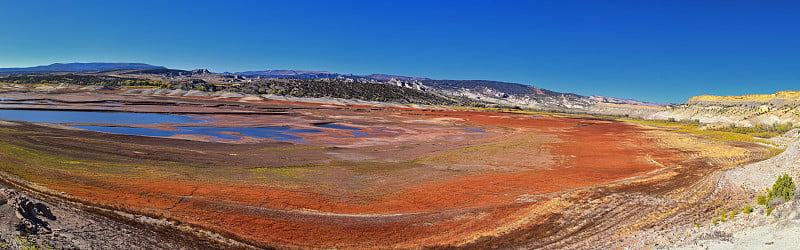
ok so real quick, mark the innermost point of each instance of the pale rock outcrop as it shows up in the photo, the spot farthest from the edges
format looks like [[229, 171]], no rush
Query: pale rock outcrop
[[742, 111]]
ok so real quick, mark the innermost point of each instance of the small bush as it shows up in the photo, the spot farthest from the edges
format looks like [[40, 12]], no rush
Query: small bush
[[781, 191], [747, 210], [762, 199], [783, 187]]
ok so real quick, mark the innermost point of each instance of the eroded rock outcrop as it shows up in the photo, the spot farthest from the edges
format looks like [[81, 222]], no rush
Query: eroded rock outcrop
[[742, 111], [31, 217]]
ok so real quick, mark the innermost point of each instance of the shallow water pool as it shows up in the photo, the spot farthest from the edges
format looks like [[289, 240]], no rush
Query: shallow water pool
[[51, 116], [220, 133]]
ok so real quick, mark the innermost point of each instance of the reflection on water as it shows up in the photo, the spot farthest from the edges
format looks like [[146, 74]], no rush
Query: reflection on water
[[47, 116], [476, 130], [223, 133]]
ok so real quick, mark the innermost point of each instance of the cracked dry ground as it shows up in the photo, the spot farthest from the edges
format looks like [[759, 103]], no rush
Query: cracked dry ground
[[533, 180]]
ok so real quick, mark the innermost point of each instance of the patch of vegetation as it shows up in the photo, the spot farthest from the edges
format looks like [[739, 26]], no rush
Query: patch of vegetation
[[747, 210], [764, 131], [491, 107], [296, 172], [784, 187], [319, 88], [358, 167], [290, 173], [25, 243], [83, 80], [762, 199], [782, 191], [725, 216], [21, 162], [294, 148], [48, 165], [267, 168], [694, 128], [483, 154], [374, 167]]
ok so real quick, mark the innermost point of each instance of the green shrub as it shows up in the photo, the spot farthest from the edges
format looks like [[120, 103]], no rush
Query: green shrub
[[747, 210], [762, 199], [783, 187]]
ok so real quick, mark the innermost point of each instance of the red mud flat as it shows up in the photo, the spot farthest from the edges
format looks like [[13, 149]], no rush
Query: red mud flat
[[440, 189]]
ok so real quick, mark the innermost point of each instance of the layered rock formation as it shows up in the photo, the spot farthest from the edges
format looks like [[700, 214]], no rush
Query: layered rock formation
[[742, 111]]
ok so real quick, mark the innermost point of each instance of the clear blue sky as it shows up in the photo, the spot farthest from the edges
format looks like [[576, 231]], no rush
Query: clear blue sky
[[664, 51]]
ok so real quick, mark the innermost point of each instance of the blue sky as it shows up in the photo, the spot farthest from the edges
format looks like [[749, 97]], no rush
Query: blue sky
[[664, 51]]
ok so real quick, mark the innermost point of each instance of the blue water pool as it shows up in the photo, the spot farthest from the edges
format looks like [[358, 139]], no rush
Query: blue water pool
[[224, 133], [47, 116]]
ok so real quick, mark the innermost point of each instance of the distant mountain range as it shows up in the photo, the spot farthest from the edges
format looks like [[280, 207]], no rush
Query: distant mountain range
[[79, 67], [481, 91], [492, 91], [321, 74]]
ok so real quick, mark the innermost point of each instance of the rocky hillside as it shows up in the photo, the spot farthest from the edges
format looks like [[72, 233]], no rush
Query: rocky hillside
[[626, 101], [494, 92], [741, 111], [288, 74], [509, 94], [464, 92]]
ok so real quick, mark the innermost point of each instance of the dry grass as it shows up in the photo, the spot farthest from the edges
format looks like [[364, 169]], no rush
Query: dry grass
[[716, 135]]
